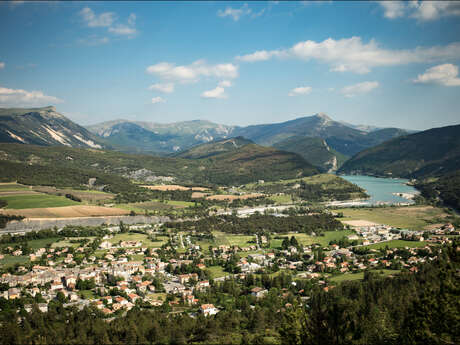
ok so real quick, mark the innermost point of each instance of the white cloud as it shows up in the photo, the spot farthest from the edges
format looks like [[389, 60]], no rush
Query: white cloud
[[235, 13], [2, 65], [351, 54], [192, 73], [158, 100], [225, 83], [420, 10], [446, 75], [218, 92], [360, 88], [122, 29], [393, 9], [303, 90], [165, 88], [109, 20], [125, 29], [92, 20], [23, 98]]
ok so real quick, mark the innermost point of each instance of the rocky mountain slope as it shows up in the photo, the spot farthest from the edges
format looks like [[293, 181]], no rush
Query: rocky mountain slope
[[43, 126]]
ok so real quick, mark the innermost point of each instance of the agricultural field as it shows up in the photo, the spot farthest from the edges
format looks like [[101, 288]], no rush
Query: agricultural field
[[10, 260], [87, 196], [305, 239], [396, 244], [130, 236], [26, 201], [13, 187], [408, 217], [67, 211], [360, 275], [156, 205]]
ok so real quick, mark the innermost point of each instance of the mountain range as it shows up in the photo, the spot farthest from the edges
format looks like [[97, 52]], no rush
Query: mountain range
[[338, 140]]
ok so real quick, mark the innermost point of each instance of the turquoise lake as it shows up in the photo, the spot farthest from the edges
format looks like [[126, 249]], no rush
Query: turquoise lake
[[381, 189]]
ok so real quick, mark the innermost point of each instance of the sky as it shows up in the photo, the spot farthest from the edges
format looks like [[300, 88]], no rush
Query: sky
[[387, 64]]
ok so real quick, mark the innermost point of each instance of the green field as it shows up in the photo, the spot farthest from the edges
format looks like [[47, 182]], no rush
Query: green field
[[12, 187], [216, 272], [397, 244], [281, 199], [359, 276], [305, 239], [409, 217], [240, 240], [139, 237], [20, 201], [10, 260]]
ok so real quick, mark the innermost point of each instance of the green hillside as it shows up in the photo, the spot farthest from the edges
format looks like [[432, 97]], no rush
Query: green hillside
[[434, 152], [214, 148], [248, 164], [314, 150]]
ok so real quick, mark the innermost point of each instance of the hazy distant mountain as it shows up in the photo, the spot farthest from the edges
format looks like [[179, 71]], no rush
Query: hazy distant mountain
[[180, 136], [148, 137], [43, 126], [428, 153]]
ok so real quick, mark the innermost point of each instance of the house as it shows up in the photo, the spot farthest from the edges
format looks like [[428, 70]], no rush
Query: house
[[105, 245], [14, 293], [184, 278], [258, 292], [208, 309]]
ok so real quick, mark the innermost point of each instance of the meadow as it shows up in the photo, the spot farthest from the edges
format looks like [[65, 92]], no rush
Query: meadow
[[21, 201], [408, 217], [360, 275]]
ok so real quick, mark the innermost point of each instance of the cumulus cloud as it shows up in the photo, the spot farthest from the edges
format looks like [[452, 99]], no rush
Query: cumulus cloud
[[446, 74], [360, 88], [303, 90], [235, 13], [193, 72], [218, 92], [158, 100], [23, 98], [420, 10], [2, 65], [110, 21], [128, 29], [352, 54], [393, 9], [225, 83], [92, 20], [165, 88]]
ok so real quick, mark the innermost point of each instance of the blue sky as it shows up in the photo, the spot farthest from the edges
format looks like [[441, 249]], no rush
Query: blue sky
[[391, 64]]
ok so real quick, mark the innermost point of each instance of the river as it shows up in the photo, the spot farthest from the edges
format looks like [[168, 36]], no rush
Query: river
[[383, 190]]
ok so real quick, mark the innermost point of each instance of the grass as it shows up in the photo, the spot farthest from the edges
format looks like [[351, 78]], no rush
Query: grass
[[240, 240], [397, 244], [87, 294], [281, 199], [409, 217], [10, 260], [34, 244], [360, 275], [306, 240], [18, 202], [216, 272], [12, 187], [130, 236]]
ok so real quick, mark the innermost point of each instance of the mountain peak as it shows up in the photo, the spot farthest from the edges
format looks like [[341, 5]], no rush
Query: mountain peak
[[323, 116]]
